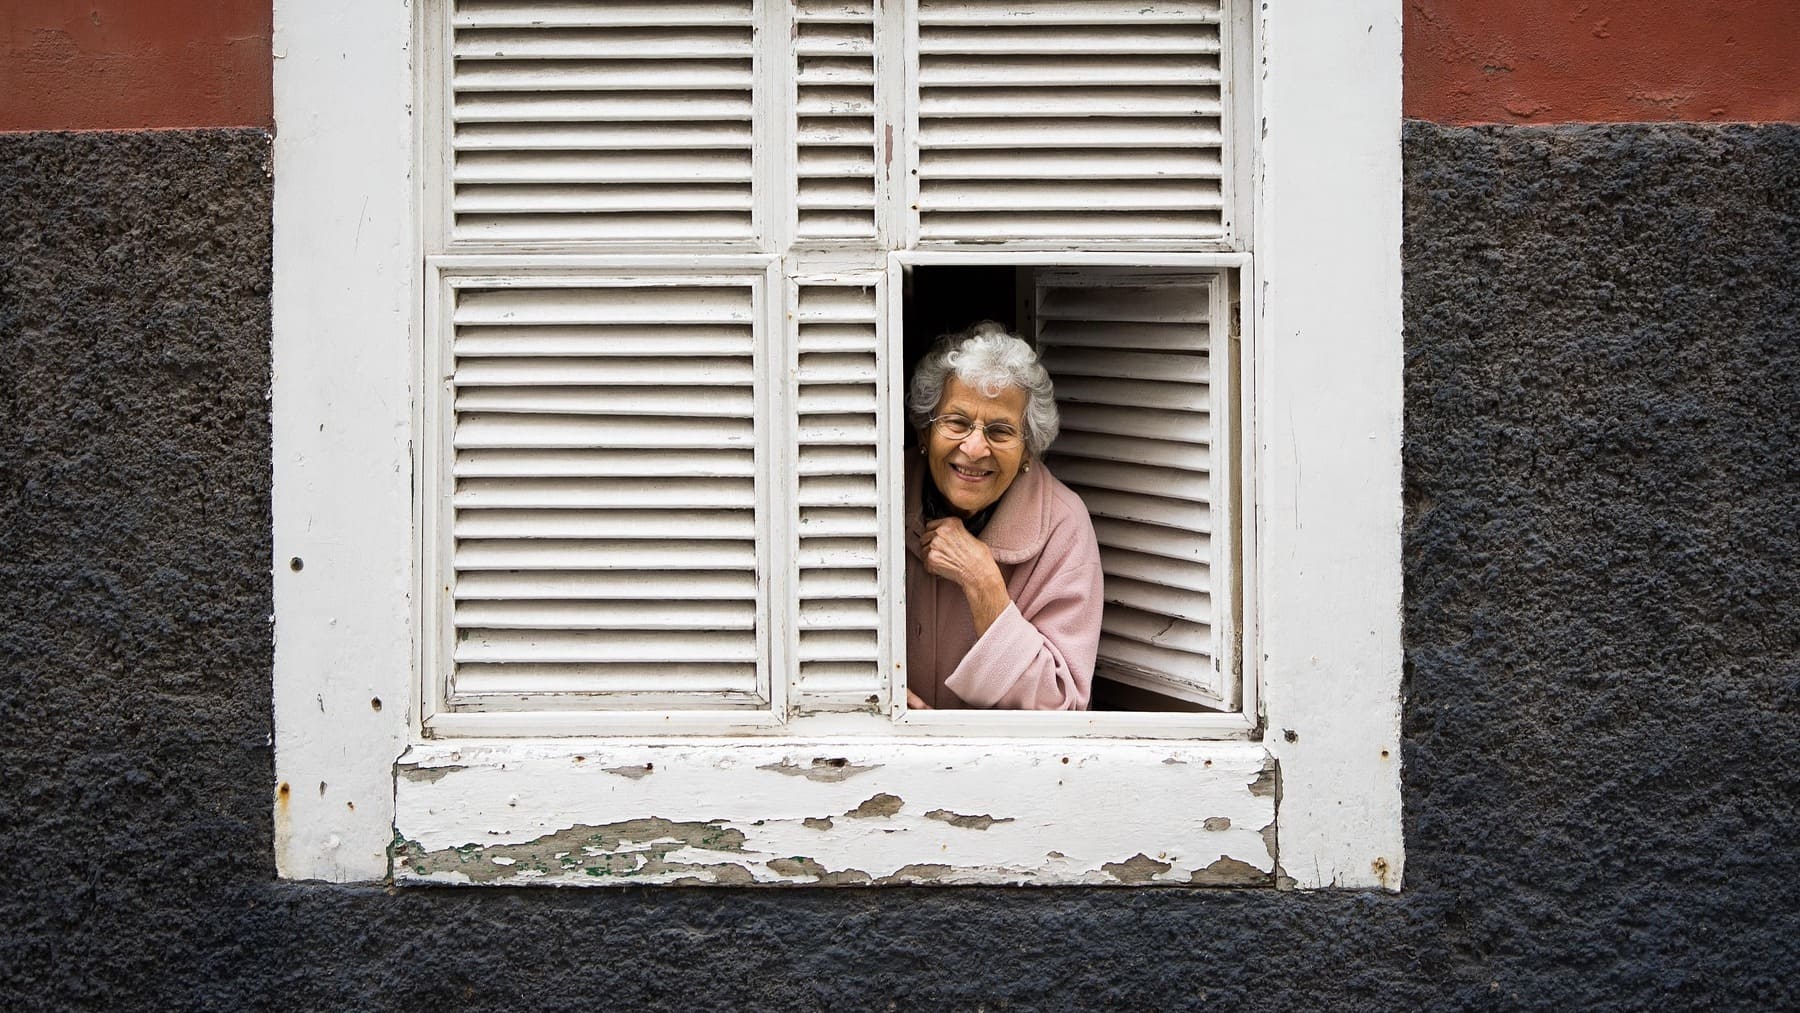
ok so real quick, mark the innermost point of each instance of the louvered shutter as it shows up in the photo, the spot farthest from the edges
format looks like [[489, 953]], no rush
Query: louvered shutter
[[604, 494], [1141, 365], [1068, 120], [585, 120], [835, 113], [839, 494]]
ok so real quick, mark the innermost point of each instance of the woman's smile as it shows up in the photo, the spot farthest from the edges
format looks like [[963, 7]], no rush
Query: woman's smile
[[969, 470]]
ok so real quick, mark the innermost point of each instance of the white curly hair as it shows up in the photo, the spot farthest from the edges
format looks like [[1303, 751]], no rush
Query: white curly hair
[[990, 359]]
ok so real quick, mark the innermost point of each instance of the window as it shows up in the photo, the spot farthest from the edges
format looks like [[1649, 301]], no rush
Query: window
[[595, 579]]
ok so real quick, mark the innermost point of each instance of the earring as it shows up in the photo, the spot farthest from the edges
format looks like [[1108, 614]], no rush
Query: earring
[[1027, 466]]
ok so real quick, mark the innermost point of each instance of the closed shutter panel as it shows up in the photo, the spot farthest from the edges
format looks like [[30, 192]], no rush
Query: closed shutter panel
[[1069, 119], [589, 120], [840, 618], [1133, 356], [604, 500], [834, 53]]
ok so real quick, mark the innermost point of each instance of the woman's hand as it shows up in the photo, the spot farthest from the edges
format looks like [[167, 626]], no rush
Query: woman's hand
[[913, 702], [952, 553]]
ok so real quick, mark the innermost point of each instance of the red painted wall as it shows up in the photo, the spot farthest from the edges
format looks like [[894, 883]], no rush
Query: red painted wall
[[130, 64], [1566, 61]]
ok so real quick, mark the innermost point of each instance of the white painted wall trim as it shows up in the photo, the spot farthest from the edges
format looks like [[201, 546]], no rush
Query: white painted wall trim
[[344, 307], [1327, 432]]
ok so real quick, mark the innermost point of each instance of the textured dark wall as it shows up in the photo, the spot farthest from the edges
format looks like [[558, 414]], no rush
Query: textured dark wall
[[1603, 715]]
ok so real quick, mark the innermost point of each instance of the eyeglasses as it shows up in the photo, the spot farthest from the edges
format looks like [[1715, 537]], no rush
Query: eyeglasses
[[999, 435]]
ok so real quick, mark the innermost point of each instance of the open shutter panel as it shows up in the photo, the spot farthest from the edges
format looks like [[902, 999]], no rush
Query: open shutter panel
[[834, 133], [1068, 119], [840, 617], [604, 507], [1132, 355], [590, 120]]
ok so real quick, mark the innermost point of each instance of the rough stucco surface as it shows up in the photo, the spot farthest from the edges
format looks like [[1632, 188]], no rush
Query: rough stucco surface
[[1603, 714]]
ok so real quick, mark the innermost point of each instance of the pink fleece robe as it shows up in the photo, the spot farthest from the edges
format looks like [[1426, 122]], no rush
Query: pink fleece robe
[[1039, 654]]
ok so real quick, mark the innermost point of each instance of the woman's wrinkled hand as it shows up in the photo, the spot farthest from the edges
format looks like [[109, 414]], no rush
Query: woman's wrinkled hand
[[955, 555], [952, 553]]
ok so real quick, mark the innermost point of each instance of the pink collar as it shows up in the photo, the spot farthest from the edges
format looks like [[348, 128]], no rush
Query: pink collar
[[1021, 522]]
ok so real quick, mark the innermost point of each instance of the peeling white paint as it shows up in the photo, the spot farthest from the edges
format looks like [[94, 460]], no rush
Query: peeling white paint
[[944, 812]]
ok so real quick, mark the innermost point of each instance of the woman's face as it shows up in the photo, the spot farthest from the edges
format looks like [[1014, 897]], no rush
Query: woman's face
[[969, 472]]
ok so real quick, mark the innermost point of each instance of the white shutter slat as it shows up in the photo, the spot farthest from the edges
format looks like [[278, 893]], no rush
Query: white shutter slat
[[555, 462], [1112, 362], [1073, 120], [1027, 165], [662, 684], [1048, 226], [594, 121], [635, 400], [837, 522], [1152, 480], [1129, 195], [1142, 393], [605, 372], [647, 304], [1115, 70], [1030, 132], [602, 167], [659, 42], [840, 614], [587, 14], [998, 12], [608, 647], [838, 356], [565, 107], [554, 493], [498, 76], [1169, 513], [1174, 603], [728, 140], [1157, 540], [549, 429], [850, 583], [600, 554], [840, 429], [606, 615], [837, 460], [609, 523], [603, 524], [1167, 453], [574, 340], [605, 585], [584, 200], [1132, 355]]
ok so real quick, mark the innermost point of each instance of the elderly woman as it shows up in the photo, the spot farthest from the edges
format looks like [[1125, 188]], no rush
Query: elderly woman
[[1002, 573]]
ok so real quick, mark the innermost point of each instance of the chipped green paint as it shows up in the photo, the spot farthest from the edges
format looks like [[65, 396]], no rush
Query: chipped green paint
[[639, 848]]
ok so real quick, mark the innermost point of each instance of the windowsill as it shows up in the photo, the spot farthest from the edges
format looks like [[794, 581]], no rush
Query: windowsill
[[836, 812]]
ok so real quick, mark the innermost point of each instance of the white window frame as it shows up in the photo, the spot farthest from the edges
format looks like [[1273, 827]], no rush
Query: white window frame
[[1313, 802]]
